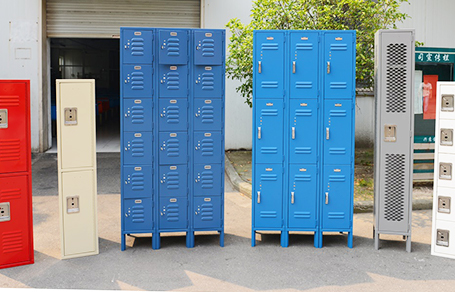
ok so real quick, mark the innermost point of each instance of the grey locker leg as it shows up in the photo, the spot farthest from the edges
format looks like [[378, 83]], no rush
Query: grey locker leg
[[408, 243], [376, 240], [350, 239], [284, 238], [123, 245], [253, 238], [222, 237]]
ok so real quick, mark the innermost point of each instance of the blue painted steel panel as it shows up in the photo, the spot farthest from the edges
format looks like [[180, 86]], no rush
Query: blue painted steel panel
[[173, 81], [268, 199], [208, 114], [339, 61], [207, 212], [208, 81], [269, 131], [338, 131], [136, 46], [137, 181], [137, 148], [137, 81], [173, 148], [137, 115], [304, 66], [208, 147], [173, 180], [269, 64], [209, 47], [302, 197], [137, 214], [303, 142], [337, 197], [207, 180], [173, 46], [173, 213], [173, 115]]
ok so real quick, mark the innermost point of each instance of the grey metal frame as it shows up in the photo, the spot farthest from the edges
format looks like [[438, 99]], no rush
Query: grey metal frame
[[394, 131]]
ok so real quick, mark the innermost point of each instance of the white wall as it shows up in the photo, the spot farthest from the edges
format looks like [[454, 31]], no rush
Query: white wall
[[216, 13], [20, 52]]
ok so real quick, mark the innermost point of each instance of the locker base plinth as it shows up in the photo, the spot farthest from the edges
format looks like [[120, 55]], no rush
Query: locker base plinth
[[406, 237], [17, 264], [284, 237]]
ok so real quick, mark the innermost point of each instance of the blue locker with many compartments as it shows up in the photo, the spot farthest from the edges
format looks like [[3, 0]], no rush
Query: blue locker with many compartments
[[172, 132], [303, 125]]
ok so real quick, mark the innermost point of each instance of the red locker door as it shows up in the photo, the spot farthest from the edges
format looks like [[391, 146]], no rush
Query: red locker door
[[14, 126], [16, 237]]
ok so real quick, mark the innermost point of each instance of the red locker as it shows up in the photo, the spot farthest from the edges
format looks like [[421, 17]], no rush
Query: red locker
[[16, 221]]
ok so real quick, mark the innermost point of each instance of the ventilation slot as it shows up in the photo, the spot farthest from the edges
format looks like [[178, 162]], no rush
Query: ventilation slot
[[396, 78], [394, 187]]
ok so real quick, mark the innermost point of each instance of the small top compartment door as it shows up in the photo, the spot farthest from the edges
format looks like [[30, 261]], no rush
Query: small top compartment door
[[136, 46], [173, 46], [208, 47]]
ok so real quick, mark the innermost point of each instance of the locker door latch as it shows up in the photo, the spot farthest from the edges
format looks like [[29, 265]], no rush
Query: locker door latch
[[72, 204], [293, 67], [328, 67], [293, 133], [327, 133], [259, 197], [390, 133], [327, 198], [442, 237], [259, 133], [292, 198], [260, 67], [3, 118], [70, 116], [5, 212]]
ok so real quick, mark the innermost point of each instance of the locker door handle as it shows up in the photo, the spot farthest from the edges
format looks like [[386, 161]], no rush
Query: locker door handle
[[328, 67], [327, 133], [259, 197], [293, 133], [293, 67], [292, 197], [326, 198], [260, 67], [259, 133]]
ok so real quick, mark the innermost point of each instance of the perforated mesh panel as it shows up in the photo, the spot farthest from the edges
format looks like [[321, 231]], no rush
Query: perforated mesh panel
[[394, 187], [396, 77]]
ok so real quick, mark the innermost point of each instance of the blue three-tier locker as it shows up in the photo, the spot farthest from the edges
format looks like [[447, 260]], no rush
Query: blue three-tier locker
[[172, 132], [303, 125]]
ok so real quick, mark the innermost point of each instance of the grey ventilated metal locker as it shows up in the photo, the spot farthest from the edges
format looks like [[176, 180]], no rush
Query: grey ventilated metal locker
[[394, 86]]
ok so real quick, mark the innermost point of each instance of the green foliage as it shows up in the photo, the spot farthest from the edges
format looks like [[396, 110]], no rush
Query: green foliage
[[364, 16]]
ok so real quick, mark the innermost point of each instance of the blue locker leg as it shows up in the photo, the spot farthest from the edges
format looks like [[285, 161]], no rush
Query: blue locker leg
[[190, 239], [350, 239], [123, 242], [284, 238], [222, 238], [253, 238], [156, 242], [320, 236], [316, 239]]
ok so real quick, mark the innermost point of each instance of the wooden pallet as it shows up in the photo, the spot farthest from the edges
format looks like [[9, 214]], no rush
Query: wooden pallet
[[425, 166]]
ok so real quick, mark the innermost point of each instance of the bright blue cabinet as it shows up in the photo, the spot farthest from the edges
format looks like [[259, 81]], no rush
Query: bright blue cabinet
[[172, 132], [303, 132]]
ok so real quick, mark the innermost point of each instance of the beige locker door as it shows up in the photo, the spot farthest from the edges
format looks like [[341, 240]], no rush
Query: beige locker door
[[76, 143]]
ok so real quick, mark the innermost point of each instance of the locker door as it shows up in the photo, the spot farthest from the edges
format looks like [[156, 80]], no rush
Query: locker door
[[208, 81], [137, 148], [137, 46], [208, 114], [173, 213], [303, 196], [339, 62], [303, 130], [173, 114], [269, 65], [269, 131], [207, 147], [173, 46], [336, 197], [173, 181], [209, 47], [137, 214], [207, 212], [137, 115], [14, 127], [207, 180], [268, 199], [337, 135], [173, 148], [137, 182], [173, 81], [304, 64], [137, 81], [16, 245]]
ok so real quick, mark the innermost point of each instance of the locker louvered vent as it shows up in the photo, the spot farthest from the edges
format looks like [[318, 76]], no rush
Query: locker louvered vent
[[396, 78], [394, 187]]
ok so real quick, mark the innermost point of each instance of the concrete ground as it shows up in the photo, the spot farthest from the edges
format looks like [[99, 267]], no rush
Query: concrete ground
[[236, 267]]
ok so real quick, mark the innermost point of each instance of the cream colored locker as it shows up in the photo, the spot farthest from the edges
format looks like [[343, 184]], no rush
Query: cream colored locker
[[76, 142], [443, 234]]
